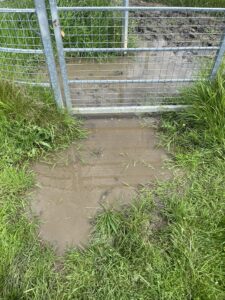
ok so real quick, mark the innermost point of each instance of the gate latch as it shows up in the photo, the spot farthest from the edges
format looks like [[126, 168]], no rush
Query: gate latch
[[56, 24]]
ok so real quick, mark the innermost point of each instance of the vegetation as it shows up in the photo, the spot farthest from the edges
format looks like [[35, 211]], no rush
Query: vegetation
[[30, 127], [169, 244], [91, 29]]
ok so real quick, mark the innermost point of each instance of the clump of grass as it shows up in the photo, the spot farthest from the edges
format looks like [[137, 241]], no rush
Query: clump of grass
[[31, 125], [202, 125]]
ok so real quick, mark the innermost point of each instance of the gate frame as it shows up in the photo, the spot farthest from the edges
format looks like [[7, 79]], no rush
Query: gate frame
[[41, 12], [125, 9]]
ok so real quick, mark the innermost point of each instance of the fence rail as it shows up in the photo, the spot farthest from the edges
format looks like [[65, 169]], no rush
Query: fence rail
[[110, 59]]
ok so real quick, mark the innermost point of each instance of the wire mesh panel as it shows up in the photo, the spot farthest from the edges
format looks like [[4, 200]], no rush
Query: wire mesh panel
[[110, 56], [21, 52], [167, 49]]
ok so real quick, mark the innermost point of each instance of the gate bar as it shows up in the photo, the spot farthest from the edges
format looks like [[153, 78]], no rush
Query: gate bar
[[139, 49], [48, 50], [219, 58], [139, 8], [59, 45], [126, 109], [125, 26], [130, 81], [17, 10], [20, 50]]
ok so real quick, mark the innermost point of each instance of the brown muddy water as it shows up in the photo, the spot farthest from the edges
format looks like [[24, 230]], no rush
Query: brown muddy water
[[105, 170]]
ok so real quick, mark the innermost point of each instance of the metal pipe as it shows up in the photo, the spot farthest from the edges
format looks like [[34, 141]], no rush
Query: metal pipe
[[219, 58], [129, 81], [125, 25], [17, 10], [42, 84], [48, 50], [18, 50], [126, 109], [142, 8], [162, 49], [61, 56]]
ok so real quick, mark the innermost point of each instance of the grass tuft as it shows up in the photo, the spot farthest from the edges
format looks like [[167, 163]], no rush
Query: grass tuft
[[31, 125]]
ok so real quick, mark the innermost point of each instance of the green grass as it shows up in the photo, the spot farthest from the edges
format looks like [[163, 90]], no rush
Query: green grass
[[30, 127], [169, 244]]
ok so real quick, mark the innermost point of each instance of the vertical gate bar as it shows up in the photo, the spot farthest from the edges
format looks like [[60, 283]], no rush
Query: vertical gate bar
[[61, 54], [219, 58], [125, 25], [48, 50]]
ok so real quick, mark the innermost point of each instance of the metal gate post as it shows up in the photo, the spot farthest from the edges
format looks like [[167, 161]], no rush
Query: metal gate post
[[48, 50], [219, 58], [125, 25], [60, 49]]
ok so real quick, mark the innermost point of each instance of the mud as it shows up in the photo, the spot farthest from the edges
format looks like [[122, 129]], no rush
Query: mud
[[107, 169], [181, 29]]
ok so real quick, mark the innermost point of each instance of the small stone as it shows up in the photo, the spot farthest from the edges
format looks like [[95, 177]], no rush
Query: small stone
[[192, 35]]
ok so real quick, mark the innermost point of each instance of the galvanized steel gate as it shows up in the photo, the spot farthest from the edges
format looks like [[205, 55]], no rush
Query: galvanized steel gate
[[145, 69], [125, 59]]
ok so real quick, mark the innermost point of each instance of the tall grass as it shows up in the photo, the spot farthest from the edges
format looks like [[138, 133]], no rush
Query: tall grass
[[30, 124], [91, 29], [203, 123]]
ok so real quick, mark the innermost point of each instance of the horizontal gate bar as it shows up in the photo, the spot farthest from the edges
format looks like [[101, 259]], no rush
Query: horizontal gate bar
[[126, 109], [17, 10], [42, 84], [144, 8], [139, 49], [17, 50], [131, 81]]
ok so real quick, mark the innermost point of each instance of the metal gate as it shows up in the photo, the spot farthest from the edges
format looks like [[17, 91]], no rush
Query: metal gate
[[114, 59], [134, 59], [26, 53]]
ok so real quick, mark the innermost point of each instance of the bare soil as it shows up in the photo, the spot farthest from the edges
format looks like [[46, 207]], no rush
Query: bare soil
[[107, 169]]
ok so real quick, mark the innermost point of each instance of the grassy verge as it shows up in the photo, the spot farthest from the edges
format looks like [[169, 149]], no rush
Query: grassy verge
[[30, 127]]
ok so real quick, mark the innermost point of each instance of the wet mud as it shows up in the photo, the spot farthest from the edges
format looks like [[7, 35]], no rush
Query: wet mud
[[106, 170]]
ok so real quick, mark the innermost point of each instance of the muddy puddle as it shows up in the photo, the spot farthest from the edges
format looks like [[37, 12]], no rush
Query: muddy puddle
[[106, 170]]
